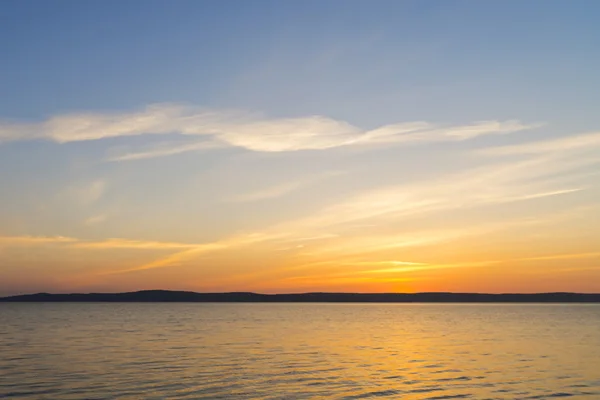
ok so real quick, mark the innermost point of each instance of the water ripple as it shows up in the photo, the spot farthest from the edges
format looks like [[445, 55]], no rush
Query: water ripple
[[298, 351]]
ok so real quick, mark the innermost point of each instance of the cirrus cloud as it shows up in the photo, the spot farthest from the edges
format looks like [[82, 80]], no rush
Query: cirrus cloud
[[245, 130]]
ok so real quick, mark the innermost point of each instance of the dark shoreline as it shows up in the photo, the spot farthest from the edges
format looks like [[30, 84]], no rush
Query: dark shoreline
[[167, 296]]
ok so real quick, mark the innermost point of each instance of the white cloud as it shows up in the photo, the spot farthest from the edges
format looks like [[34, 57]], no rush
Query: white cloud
[[562, 144], [484, 128], [166, 150], [240, 130], [93, 126]]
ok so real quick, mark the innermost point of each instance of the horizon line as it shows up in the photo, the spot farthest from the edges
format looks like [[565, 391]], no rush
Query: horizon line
[[164, 295]]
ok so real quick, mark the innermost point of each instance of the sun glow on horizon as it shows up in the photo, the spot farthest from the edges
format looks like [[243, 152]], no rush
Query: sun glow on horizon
[[299, 149]]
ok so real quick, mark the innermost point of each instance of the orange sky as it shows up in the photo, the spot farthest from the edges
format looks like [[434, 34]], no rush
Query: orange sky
[[372, 148]]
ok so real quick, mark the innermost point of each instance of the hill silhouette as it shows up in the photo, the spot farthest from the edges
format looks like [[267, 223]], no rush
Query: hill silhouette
[[248, 297]]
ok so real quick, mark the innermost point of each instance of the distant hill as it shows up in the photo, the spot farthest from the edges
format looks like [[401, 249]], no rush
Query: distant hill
[[247, 297]]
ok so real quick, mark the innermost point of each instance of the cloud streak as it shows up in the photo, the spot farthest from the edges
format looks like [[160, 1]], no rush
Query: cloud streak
[[194, 251], [326, 234], [282, 189], [34, 240], [166, 150], [117, 243], [494, 184], [580, 142], [252, 132], [107, 244]]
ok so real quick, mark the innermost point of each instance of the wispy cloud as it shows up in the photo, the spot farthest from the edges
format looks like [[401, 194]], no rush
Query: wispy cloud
[[364, 270], [424, 132], [540, 195], [563, 144], [241, 130], [93, 126], [166, 150], [34, 240], [348, 246], [493, 184], [353, 269], [327, 234], [282, 188], [194, 251], [117, 243], [569, 256], [106, 244]]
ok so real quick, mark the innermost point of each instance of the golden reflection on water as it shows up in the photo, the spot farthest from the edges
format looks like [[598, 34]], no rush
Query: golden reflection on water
[[191, 351]]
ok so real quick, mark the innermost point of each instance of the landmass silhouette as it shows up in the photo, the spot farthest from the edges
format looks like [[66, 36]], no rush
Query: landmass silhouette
[[317, 297]]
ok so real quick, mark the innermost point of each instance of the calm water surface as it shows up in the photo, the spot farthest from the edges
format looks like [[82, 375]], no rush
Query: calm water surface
[[299, 351]]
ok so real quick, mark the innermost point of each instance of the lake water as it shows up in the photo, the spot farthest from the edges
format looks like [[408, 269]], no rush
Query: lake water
[[299, 351]]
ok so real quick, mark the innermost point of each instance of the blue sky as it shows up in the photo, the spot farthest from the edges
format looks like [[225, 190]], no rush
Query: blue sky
[[200, 122], [298, 58]]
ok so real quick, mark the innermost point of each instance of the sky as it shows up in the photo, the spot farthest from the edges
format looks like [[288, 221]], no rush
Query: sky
[[299, 146]]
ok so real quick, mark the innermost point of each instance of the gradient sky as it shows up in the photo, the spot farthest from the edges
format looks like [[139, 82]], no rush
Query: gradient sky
[[292, 146]]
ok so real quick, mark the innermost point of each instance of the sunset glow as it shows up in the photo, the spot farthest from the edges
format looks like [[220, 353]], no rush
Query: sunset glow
[[322, 156]]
